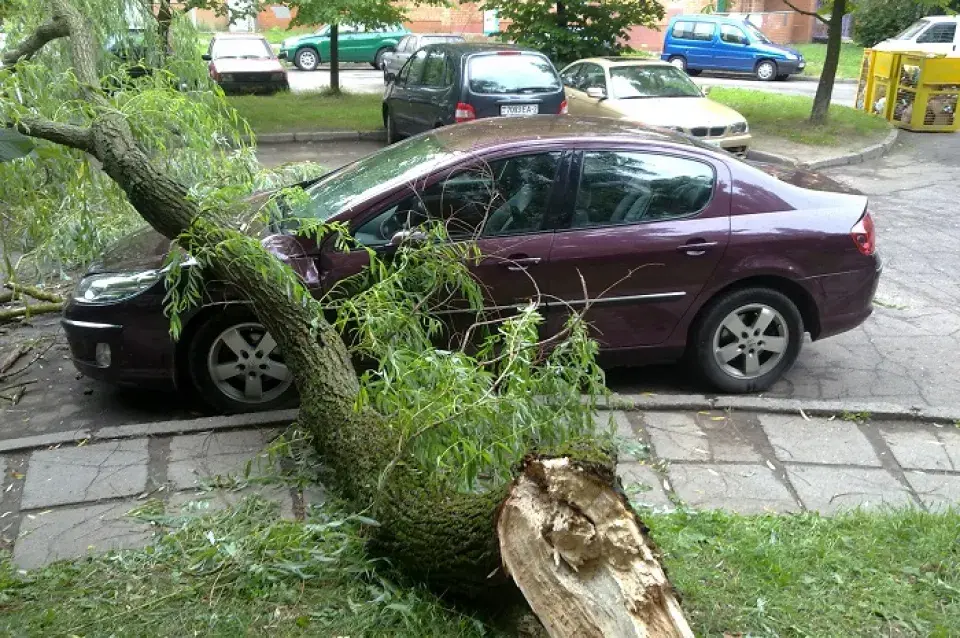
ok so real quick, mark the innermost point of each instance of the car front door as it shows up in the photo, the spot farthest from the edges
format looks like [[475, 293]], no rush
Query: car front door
[[505, 205], [402, 101], [733, 49], [592, 76], [646, 233]]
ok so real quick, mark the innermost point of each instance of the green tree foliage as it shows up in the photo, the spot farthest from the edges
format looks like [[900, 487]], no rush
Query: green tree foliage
[[574, 29], [877, 20]]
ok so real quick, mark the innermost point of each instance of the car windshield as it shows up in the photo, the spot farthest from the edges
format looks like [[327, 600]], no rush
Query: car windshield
[[512, 72], [241, 48], [756, 33], [912, 30], [634, 82], [398, 163]]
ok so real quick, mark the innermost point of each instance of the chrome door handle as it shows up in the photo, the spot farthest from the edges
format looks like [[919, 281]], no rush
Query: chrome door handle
[[697, 249], [521, 263]]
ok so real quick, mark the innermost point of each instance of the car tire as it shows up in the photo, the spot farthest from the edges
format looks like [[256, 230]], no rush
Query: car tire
[[766, 70], [306, 59], [378, 57], [678, 61], [694, 72], [742, 360], [214, 347]]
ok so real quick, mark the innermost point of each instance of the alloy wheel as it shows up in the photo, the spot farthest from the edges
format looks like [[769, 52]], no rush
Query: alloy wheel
[[245, 365], [766, 71], [307, 60], [751, 341]]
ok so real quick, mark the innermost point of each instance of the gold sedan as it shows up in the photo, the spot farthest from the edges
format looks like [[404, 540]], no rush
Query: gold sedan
[[655, 93]]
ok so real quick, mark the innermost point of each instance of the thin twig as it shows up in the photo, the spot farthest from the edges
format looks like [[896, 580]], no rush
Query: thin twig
[[26, 367], [19, 384], [12, 358], [812, 14]]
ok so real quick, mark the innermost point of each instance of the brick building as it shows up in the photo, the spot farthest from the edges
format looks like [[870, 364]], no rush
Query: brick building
[[773, 17]]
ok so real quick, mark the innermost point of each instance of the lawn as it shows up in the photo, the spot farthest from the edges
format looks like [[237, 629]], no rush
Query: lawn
[[848, 68], [304, 112], [276, 35], [778, 115], [245, 572]]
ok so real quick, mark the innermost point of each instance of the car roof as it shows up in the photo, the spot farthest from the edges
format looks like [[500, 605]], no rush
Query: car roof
[[704, 17], [620, 61], [498, 131], [437, 35], [238, 36], [469, 48], [941, 18]]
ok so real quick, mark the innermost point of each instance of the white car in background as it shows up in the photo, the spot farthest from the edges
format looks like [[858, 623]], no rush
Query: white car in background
[[933, 34]]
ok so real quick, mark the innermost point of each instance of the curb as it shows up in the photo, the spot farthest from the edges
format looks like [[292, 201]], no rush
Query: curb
[[159, 428], [810, 78], [872, 152], [877, 410], [321, 136]]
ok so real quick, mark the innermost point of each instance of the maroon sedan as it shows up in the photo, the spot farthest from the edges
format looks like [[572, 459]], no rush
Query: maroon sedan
[[684, 250], [245, 63]]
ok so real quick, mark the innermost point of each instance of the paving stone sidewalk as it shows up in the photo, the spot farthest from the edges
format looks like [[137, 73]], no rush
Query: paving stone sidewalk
[[69, 500]]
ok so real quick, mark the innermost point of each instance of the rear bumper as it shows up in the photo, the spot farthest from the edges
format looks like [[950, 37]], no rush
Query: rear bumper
[[847, 299]]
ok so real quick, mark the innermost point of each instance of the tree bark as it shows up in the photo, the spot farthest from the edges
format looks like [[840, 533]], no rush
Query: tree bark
[[582, 558], [164, 21], [821, 101], [334, 58]]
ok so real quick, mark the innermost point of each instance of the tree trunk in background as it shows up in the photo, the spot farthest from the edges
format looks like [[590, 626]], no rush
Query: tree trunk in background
[[334, 58], [561, 15], [164, 20], [581, 556], [821, 102]]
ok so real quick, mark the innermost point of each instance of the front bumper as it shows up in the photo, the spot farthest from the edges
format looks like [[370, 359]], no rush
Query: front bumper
[[248, 88], [735, 144], [791, 67]]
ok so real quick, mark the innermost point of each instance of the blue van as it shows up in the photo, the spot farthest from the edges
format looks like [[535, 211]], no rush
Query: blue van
[[698, 43]]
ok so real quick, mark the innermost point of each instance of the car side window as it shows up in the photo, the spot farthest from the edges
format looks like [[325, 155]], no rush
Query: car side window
[[404, 45], [704, 31], [569, 75], [435, 70], [942, 33], [505, 197], [683, 30], [593, 77], [733, 35], [628, 188], [413, 71]]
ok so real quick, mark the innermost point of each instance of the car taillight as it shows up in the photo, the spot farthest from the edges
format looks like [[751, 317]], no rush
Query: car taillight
[[564, 110], [864, 236], [464, 113]]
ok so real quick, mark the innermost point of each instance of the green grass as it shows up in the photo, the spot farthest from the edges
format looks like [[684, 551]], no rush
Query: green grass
[[848, 68], [888, 574], [276, 35], [786, 116], [301, 112], [894, 573]]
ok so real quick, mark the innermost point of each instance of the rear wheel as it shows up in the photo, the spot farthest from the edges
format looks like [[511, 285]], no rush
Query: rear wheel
[[236, 366], [746, 339], [766, 70], [378, 58], [307, 60], [678, 61]]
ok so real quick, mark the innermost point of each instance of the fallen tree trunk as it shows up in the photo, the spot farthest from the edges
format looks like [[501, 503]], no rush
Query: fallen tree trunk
[[29, 311], [36, 293], [581, 556]]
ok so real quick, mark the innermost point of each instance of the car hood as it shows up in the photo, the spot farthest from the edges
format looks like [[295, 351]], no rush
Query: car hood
[[686, 112], [777, 48], [231, 65]]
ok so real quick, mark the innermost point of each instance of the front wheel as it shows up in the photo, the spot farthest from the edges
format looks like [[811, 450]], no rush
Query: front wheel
[[766, 70], [746, 339], [236, 366], [307, 60]]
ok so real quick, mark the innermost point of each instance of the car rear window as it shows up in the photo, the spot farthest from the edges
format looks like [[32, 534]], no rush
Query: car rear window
[[512, 73]]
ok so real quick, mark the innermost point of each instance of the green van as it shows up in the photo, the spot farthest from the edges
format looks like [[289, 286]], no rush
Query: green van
[[356, 43]]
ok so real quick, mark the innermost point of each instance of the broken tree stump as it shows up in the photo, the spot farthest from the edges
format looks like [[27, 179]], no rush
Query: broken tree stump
[[580, 556]]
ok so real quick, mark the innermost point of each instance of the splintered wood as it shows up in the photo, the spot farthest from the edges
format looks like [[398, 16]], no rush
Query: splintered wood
[[579, 555]]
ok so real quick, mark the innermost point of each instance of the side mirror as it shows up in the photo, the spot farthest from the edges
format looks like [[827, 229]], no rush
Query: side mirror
[[206, 57], [596, 93], [408, 237]]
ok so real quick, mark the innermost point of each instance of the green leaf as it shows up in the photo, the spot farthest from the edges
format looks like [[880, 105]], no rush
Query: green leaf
[[14, 145]]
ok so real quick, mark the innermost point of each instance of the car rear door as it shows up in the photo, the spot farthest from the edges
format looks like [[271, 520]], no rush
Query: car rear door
[[646, 232], [430, 105], [507, 83], [402, 100]]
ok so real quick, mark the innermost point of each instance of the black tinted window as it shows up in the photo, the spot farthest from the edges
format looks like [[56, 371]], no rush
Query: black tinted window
[[413, 71], [939, 34], [434, 73], [505, 197], [624, 188], [592, 77], [512, 73]]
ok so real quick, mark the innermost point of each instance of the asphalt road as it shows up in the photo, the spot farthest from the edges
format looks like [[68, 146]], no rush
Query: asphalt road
[[359, 78], [907, 352]]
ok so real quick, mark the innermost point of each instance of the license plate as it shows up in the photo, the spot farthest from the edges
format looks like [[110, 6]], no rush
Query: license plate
[[515, 110]]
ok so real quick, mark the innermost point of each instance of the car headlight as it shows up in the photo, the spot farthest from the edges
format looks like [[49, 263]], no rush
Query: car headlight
[[226, 77], [739, 127], [113, 287], [789, 56]]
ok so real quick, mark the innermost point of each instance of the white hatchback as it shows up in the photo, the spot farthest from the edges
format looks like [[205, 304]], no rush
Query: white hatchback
[[933, 34]]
